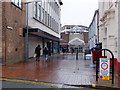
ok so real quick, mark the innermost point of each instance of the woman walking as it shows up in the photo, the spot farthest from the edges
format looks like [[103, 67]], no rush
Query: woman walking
[[45, 53]]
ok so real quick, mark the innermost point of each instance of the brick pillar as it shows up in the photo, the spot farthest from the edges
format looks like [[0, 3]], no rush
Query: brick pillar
[[3, 33], [0, 32]]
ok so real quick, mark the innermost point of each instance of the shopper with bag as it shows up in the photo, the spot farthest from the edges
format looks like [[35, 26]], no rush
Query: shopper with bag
[[37, 52]]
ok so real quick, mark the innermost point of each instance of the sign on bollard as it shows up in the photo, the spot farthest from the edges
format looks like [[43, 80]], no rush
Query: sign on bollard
[[104, 68]]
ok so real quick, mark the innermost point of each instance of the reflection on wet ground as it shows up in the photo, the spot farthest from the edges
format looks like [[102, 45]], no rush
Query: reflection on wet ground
[[59, 69]]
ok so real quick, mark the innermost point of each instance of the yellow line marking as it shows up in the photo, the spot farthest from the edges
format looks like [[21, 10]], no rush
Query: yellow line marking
[[33, 82]]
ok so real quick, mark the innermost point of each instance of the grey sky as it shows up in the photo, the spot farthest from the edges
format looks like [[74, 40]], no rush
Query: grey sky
[[78, 12]]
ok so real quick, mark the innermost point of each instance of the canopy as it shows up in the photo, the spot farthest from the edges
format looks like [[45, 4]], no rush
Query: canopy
[[76, 41]]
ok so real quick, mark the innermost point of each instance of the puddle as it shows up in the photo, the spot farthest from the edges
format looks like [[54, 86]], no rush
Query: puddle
[[90, 66]]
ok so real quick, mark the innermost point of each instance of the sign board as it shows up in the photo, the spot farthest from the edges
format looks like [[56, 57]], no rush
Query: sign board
[[104, 67]]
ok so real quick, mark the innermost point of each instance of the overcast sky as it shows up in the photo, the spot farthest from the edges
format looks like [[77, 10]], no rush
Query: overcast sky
[[78, 12]]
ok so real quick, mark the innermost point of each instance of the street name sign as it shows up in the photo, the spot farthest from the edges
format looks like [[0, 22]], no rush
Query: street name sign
[[104, 67]]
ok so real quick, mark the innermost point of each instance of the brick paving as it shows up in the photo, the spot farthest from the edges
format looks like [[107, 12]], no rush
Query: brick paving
[[58, 69]]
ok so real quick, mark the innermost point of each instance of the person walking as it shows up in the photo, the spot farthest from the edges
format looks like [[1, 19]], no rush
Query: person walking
[[72, 50], [63, 50], [37, 52], [45, 53]]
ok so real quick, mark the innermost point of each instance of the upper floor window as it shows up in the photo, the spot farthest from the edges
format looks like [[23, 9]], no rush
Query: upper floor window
[[35, 9], [18, 3], [39, 12], [43, 14]]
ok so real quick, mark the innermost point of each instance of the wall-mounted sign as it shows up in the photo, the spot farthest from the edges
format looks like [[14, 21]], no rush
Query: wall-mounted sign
[[104, 68], [10, 28]]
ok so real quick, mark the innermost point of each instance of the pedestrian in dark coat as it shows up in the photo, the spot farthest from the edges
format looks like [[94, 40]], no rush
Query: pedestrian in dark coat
[[37, 52], [45, 53], [63, 50], [72, 50]]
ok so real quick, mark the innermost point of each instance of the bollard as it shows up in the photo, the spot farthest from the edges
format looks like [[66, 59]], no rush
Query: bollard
[[77, 55]]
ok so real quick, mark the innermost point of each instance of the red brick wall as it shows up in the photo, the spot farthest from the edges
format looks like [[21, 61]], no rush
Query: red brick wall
[[0, 30], [13, 43]]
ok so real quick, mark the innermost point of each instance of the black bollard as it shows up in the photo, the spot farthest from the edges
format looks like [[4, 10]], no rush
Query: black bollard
[[77, 55]]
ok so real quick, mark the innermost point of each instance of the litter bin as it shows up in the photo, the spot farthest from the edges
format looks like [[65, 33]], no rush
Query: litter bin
[[95, 51]]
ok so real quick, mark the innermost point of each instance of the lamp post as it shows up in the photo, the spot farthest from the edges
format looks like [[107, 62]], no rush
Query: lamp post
[[27, 32]]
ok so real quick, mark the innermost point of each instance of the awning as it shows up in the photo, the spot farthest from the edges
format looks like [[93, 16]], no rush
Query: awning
[[39, 32], [76, 41]]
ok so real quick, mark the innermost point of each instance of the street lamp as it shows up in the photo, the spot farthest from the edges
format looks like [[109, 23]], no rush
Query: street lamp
[[27, 32]]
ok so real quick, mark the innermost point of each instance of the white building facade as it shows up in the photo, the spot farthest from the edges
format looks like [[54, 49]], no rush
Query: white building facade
[[94, 30], [109, 27], [44, 25]]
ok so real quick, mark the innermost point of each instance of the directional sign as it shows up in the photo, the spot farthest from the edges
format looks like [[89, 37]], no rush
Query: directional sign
[[104, 68]]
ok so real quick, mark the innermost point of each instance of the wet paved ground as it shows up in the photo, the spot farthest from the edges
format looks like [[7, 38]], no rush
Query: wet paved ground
[[64, 69]]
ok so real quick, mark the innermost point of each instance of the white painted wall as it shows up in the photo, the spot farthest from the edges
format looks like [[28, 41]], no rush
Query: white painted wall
[[36, 24], [93, 33], [108, 26], [118, 41]]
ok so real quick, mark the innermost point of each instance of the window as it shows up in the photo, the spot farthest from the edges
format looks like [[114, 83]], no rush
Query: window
[[35, 10], [39, 12], [18, 3], [45, 17], [50, 21], [43, 12]]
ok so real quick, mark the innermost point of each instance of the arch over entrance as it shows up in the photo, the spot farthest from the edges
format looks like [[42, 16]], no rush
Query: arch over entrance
[[77, 43]]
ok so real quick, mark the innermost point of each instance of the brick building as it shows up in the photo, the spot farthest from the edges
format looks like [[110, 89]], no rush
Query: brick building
[[43, 28], [12, 43]]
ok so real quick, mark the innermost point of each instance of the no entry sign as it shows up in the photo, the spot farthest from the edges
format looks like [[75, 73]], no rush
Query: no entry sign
[[104, 68]]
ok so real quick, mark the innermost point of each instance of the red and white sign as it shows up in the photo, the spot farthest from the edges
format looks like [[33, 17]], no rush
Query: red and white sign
[[104, 68]]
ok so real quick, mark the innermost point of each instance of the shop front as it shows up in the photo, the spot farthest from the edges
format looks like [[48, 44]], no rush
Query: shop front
[[37, 36]]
